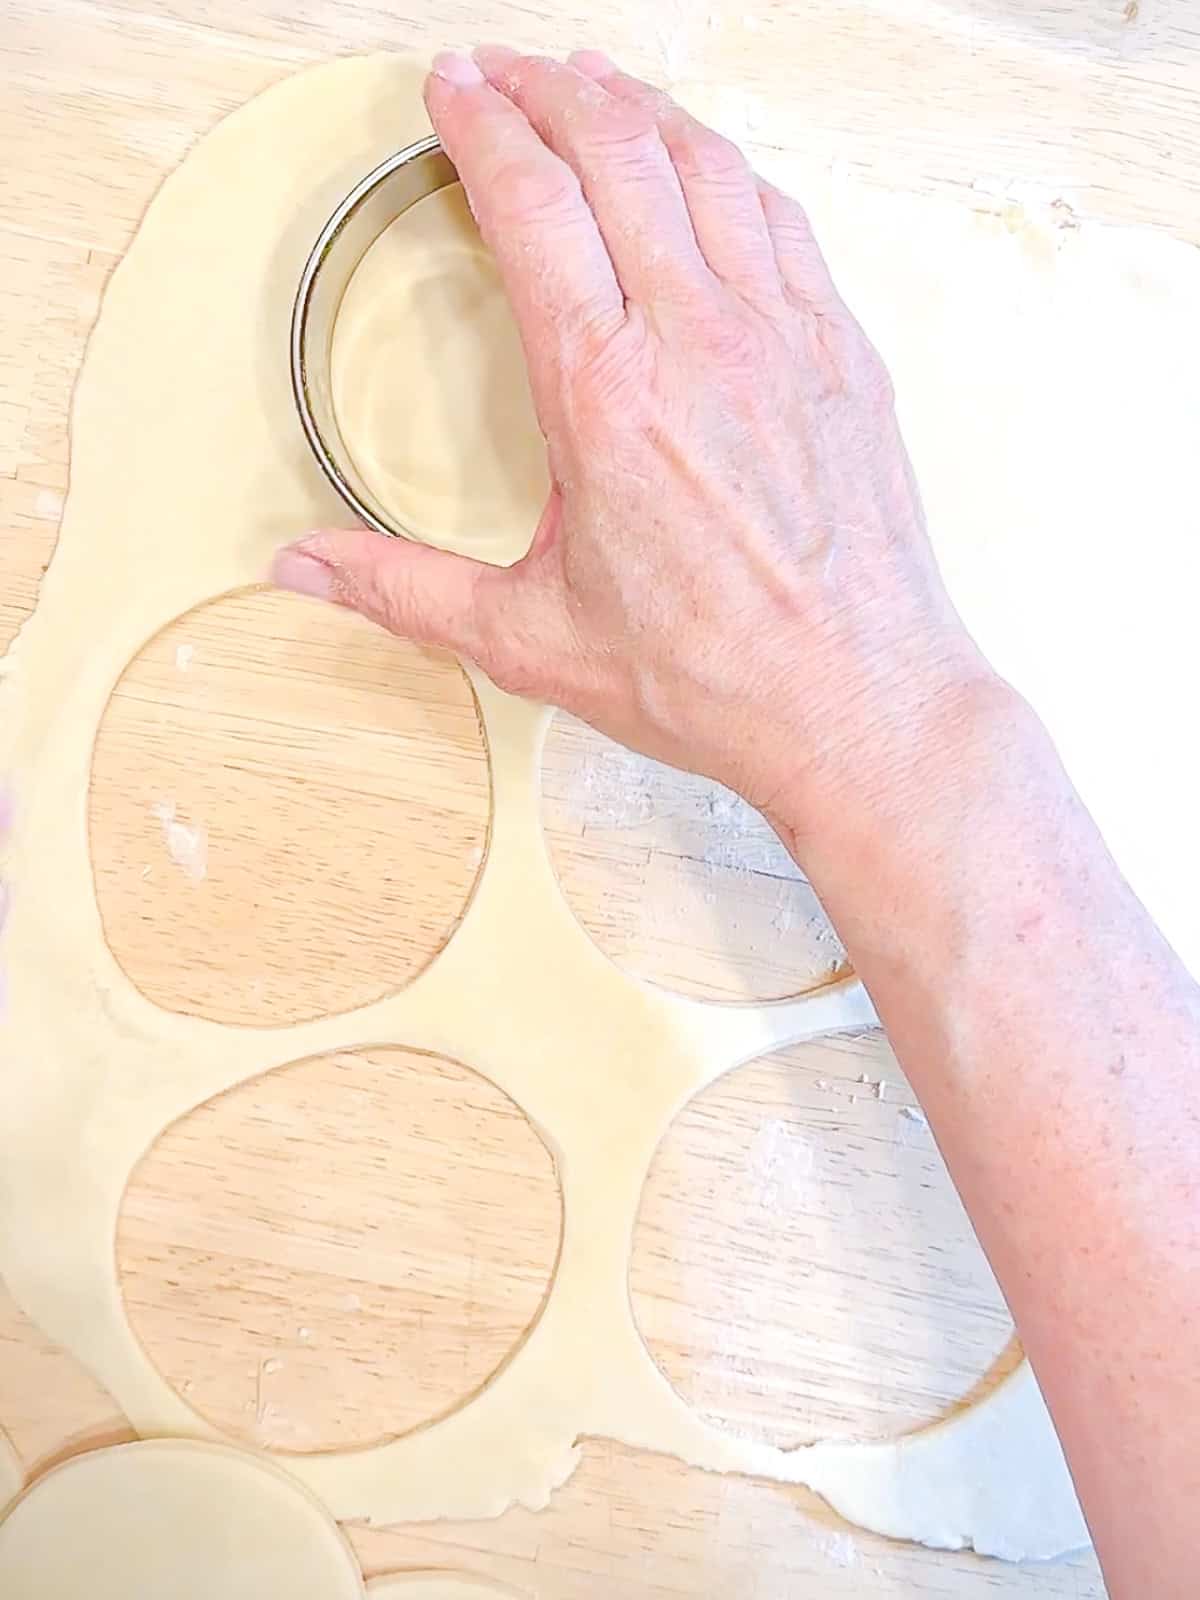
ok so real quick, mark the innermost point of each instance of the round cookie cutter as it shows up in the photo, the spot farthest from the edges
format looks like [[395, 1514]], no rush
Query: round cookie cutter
[[387, 192]]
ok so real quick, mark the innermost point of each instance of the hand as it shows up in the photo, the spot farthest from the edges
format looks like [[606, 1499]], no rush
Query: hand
[[731, 573]]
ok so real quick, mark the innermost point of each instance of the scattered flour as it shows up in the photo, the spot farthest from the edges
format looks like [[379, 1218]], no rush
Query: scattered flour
[[186, 846], [48, 505], [779, 1161], [672, 34], [841, 1550]]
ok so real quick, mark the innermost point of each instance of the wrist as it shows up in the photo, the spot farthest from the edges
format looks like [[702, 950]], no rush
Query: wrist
[[895, 752], [947, 840]]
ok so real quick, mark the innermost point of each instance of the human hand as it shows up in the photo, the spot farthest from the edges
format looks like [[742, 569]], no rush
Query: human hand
[[731, 573]]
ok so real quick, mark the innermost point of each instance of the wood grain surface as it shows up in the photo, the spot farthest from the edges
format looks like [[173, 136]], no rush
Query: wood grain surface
[[288, 810]]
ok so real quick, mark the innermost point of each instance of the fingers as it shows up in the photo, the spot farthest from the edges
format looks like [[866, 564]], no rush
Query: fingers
[[801, 264], [622, 164], [531, 213], [718, 185], [410, 589]]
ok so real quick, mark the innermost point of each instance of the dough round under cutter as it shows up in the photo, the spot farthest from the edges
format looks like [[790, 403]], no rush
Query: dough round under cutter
[[387, 192]]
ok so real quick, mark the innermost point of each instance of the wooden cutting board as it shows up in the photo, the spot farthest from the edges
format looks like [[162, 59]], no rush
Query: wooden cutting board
[[288, 810]]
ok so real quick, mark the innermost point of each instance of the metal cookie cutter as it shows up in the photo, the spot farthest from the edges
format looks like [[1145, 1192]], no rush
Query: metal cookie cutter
[[371, 206]]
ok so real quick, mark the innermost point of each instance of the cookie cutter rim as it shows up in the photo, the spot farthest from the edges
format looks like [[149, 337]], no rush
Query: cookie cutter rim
[[375, 202]]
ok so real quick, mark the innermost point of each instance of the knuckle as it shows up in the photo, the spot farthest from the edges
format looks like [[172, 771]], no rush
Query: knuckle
[[791, 228], [710, 154], [791, 219], [625, 134], [529, 189], [793, 234], [734, 341], [608, 372]]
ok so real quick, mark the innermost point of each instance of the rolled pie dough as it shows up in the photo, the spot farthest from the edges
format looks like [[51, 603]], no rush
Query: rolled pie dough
[[187, 368], [173, 1517]]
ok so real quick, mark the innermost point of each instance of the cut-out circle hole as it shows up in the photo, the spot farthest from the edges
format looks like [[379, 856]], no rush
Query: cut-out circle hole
[[675, 878], [288, 811], [340, 1250], [802, 1266]]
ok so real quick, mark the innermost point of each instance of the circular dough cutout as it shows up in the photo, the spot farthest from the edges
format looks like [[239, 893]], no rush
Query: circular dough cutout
[[430, 386], [340, 1250], [288, 811], [172, 1517], [675, 878], [802, 1266]]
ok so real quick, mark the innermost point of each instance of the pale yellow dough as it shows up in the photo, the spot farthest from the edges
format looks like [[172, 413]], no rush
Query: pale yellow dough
[[177, 1518], [187, 369], [425, 351]]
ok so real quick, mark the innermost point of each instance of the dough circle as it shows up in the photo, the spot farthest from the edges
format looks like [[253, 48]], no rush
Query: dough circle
[[173, 1517], [187, 366], [424, 350]]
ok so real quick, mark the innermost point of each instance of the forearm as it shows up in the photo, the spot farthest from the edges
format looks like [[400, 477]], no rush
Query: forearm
[[1054, 1040]]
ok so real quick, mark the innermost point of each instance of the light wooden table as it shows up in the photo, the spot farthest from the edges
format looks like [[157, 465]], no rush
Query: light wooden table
[[288, 809]]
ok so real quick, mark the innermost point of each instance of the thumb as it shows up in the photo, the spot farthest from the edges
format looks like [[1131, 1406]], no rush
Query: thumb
[[410, 589]]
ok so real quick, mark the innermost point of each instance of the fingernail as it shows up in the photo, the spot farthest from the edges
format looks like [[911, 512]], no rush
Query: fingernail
[[301, 573], [592, 63], [458, 71]]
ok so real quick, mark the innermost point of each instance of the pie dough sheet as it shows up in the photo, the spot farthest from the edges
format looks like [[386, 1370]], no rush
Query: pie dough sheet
[[173, 1517], [188, 469]]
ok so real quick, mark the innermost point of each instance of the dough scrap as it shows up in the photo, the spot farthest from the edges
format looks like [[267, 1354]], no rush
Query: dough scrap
[[173, 1517], [187, 367]]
